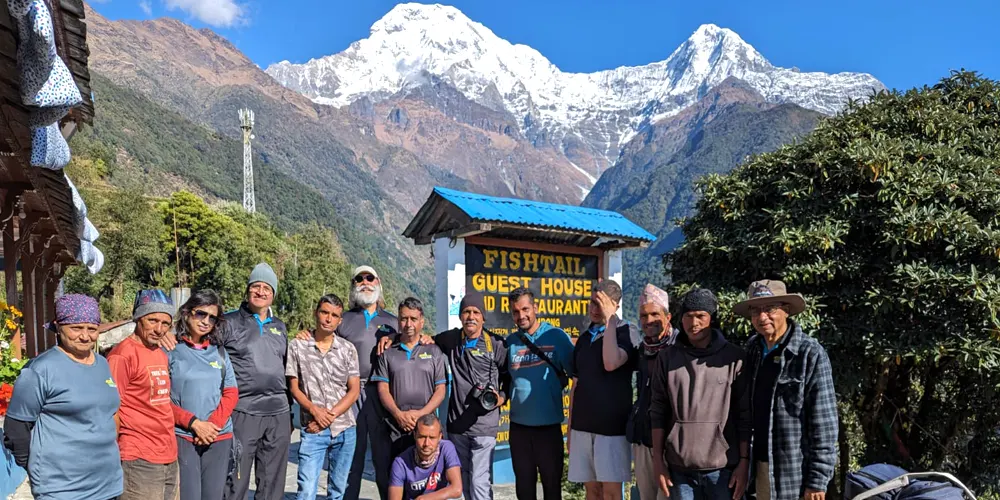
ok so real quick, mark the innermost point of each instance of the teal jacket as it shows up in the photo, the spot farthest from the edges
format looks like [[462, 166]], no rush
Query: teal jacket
[[536, 395]]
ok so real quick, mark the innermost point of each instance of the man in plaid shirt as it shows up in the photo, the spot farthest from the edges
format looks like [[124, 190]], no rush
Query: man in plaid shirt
[[794, 404]]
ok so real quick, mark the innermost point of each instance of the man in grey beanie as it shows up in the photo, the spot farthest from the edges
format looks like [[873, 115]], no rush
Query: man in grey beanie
[[257, 343], [478, 361]]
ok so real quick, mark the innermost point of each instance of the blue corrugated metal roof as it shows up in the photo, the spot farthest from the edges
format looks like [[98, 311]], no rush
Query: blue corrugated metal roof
[[484, 208]]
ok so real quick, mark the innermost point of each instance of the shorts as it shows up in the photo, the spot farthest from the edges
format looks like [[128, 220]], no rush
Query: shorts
[[598, 458]]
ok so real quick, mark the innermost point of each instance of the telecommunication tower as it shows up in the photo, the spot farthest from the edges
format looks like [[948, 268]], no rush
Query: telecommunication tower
[[246, 123]]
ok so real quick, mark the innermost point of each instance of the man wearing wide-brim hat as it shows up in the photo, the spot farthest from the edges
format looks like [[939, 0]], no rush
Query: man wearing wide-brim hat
[[793, 401]]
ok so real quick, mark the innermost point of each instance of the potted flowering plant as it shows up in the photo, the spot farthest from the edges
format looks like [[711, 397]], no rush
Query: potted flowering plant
[[11, 360]]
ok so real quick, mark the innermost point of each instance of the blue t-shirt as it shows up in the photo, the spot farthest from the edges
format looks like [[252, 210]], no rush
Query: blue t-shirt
[[197, 378], [536, 395], [417, 481], [74, 444]]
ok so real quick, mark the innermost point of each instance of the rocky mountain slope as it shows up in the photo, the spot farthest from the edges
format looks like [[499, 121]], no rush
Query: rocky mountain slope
[[653, 182], [586, 117], [433, 98], [204, 79]]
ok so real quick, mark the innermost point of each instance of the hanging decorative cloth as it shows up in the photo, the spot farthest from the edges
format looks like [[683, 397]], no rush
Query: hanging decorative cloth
[[46, 82], [91, 257], [89, 231], [49, 148], [81, 208]]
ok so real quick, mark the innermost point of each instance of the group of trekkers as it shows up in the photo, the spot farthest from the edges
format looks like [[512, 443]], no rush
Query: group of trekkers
[[195, 398]]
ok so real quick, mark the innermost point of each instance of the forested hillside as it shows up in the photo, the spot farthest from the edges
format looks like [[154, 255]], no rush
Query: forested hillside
[[141, 163]]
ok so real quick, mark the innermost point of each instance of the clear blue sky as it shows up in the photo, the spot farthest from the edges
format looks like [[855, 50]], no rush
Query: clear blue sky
[[903, 43]]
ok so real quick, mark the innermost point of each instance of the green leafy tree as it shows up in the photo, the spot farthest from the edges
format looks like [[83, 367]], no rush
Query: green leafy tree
[[886, 218], [315, 269], [183, 240], [130, 230], [213, 250]]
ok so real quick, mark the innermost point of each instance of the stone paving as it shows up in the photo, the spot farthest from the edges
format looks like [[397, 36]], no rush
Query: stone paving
[[368, 490]]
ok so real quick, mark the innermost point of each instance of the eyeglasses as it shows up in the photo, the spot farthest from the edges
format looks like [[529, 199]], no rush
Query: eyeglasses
[[768, 310], [364, 277], [202, 316]]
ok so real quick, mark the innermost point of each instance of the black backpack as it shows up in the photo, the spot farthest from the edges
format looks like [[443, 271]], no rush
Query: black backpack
[[888, 482]]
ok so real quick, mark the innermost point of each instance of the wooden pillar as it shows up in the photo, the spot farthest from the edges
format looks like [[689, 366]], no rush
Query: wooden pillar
[[10, 253], [29, 249], [48, 294], [32, 347], [41, 315]]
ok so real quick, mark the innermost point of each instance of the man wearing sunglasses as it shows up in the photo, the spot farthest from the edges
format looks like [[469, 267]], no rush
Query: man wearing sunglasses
[[793, 403], [365, 321]]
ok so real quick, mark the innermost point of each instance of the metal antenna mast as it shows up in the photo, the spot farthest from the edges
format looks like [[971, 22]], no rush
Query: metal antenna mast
[[246, 123]]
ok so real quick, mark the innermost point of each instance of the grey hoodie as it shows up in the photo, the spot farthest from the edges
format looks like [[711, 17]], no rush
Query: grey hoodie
[[700, 398]]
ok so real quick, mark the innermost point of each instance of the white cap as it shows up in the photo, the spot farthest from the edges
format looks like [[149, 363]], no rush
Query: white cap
[[364, 269]]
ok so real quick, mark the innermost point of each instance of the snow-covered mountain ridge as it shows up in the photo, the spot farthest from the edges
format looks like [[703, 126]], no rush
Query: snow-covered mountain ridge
[[596, 111]]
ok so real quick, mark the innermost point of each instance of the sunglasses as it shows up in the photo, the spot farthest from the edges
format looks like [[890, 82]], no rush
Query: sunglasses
[[364, 277], [202, 316]]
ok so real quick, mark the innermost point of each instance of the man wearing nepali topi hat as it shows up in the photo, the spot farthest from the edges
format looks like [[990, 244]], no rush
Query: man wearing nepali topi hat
[[793, 402], [658, 334]]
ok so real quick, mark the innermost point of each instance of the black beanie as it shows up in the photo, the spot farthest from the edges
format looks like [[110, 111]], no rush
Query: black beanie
[[474, 299], [700, 299]]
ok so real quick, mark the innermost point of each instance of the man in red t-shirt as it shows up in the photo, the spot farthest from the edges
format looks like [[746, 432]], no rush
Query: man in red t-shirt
[[145, 420]]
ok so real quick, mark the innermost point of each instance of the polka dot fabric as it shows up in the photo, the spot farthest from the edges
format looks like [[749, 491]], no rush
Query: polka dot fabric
[[48, 88], [46, 82], [48, 148]]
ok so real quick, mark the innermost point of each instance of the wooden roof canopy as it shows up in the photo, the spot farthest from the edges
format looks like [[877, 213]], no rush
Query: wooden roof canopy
[[45, 194]]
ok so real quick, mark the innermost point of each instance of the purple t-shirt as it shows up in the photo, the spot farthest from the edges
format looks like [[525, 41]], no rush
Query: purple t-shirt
[[416, 481]]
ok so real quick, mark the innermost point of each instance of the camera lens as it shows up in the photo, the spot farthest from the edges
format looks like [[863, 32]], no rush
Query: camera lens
[[489, 400]]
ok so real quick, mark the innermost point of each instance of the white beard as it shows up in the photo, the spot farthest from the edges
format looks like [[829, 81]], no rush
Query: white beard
[[364, 299]]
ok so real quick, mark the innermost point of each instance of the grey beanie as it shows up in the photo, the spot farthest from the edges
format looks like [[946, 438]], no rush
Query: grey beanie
[[263, 273], [150, 302]]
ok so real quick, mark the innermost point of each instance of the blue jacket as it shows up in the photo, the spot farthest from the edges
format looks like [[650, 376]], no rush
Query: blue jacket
[[536, 395]]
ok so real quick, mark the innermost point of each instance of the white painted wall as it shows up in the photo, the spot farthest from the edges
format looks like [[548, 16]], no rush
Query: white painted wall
[[449, 274]]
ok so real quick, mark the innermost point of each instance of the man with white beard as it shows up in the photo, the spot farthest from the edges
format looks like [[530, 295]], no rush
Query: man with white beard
[[365, 321]]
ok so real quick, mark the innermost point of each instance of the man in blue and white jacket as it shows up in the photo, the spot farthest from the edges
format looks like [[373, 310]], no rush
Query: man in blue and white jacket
[[536, 400]]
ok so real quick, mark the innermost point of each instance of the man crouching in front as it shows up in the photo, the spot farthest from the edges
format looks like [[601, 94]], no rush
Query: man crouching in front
[[429, 470]]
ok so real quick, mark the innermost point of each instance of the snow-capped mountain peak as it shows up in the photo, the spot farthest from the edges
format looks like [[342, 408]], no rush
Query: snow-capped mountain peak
[[598, 110], [403, 14], [710, 44]]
